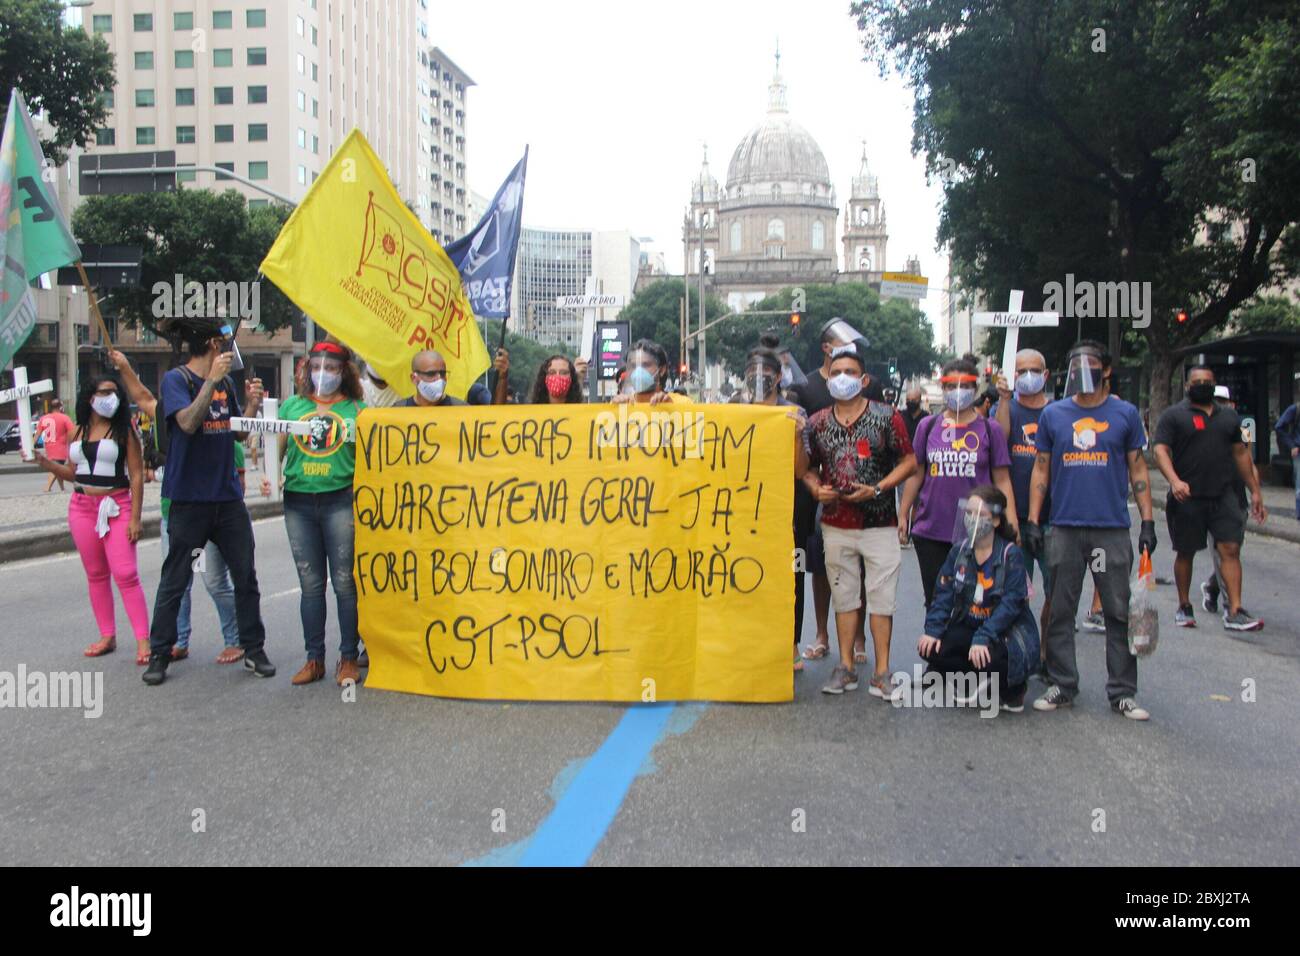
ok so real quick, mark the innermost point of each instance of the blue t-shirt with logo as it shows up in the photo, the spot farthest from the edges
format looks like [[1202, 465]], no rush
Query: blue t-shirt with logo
[[200, 467], [1089, 449], [1022, 442]]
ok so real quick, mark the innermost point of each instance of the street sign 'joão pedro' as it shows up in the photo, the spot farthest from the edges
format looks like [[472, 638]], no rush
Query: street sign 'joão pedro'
[[585, 552]]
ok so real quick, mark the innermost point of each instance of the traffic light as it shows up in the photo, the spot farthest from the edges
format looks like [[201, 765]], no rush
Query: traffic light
[[683, 369], [795, 319], [1182, 316]]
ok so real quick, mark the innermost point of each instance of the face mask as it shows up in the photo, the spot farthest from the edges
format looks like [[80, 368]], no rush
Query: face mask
[[1030, 383], [326, 382], [432, 391], [105, 405], [913, 406], [758, 387], [787, 376], [1202, 393], [844, 387], [557, 385], [641, 380], [959, 399], [978, 526]]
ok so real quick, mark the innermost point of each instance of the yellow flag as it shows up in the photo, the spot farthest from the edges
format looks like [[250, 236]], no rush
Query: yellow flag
[[356, 260]]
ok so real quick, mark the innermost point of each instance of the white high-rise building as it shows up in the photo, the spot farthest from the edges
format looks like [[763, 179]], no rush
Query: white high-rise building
[[556, 262]]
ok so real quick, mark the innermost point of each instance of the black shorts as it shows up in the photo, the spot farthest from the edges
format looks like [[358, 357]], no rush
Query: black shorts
[[1190, 520]]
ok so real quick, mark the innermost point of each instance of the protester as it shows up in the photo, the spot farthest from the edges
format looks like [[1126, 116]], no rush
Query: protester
[[646, 367], [1089, 454], [375, 391], [1199, 450], [1288, 440], [429, 375], [213, 570], [980, 619], [763, 387], [318, 470], [558, 382], [914, 412], [956, 450], [858, 455], [106, 466], [987, 399], [811, 393], [1017, 415], [54, 427], [198, 402], [1213, 587]]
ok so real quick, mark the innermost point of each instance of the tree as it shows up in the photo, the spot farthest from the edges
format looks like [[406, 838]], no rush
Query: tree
[[655, 313], [198, 234], [61, 71], [1271, 313], [1111, 141]]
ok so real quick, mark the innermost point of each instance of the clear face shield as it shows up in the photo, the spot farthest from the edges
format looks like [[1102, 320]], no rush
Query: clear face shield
[[844, 334], [642, 372], [1084, 375], [762, 383], [975, 521], [791, 374]]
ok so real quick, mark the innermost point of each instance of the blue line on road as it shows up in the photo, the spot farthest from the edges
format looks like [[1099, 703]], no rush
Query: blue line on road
[[578, 823]]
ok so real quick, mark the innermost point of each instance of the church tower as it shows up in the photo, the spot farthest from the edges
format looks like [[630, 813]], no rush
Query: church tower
[[702, 221], [865, 233]]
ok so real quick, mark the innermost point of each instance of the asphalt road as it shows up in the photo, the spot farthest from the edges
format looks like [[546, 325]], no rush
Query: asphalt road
[[287, 775]]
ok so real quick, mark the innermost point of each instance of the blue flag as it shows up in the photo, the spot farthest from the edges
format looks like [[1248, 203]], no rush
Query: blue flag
[[486, 257]]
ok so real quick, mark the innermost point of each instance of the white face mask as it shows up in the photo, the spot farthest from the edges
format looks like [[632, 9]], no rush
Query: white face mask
[[1030, 383], [844, 387], [105, 405], [432, 391], [326, 382]]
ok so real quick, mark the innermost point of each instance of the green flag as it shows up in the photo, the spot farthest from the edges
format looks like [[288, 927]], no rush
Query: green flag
[[34, 236]]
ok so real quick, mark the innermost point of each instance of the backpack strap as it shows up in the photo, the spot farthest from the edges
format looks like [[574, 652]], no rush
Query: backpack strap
[[921, 439]]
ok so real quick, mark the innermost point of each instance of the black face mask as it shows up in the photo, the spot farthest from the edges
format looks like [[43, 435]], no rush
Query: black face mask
[[913, 406], [1202, 393]]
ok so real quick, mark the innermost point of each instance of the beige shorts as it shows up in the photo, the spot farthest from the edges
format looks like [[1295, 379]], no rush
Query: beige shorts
[[879, 552]]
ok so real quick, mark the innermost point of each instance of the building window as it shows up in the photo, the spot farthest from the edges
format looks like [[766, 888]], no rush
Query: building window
[[257, 56], [313, 36], [302, 138], [257, 94], [258, 170], [144, 98], [143, 22], [223, 95], [108, 99], [775, 229], [184, 96], [144, 136], [184, 134], [182, 21], [144, 60], [776, 190], [315, 144], [105, 137], [302, 175], [223, 133], [222, 19], [257, 132], [302, 102], [258, 203], [314, 73], [184, 59], [315, 108], [255, 18], [735, 236], [223, 57], [102, 23], [185, 176], [228, 167], [818, 235], [299, 26]]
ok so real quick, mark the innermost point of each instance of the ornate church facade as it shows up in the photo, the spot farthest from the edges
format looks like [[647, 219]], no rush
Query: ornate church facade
[[774, 223]]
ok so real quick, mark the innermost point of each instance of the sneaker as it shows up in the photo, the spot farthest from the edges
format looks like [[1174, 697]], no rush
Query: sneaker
[[1129, 708], [1241, 620], [1095, 622], [156, 672], [260, 664], [1013, 705], [1185, 616], [881, 686], [842, 679], [1209, 597], [1054, 699]]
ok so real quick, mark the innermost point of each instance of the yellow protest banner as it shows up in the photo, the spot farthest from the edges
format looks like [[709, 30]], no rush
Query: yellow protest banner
[[356, 260], [577, 552]]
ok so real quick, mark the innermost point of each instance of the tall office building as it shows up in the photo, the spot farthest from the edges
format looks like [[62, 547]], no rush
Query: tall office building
[[451, 212], [556, 262]]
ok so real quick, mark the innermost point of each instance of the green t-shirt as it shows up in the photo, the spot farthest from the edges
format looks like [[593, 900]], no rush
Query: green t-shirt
[[324, 460]]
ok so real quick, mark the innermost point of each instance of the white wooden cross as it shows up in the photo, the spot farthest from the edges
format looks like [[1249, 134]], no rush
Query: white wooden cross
[[22, 394], [1013, 320]]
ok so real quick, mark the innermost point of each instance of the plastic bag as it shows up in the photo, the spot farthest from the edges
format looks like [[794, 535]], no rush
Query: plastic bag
[[1143, 618]]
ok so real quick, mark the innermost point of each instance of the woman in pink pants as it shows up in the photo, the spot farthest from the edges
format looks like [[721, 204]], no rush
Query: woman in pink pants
[[106, 467]]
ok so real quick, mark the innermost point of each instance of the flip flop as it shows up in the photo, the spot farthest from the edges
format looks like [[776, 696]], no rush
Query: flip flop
[[859, 656], [142, 651], [105, 645], [816, 652], [230, 655]]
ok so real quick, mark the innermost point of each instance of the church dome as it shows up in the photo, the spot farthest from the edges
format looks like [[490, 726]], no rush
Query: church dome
[[779, 149]]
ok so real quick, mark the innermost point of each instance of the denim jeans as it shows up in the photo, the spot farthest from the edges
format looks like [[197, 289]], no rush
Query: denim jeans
[[216, 578], [190, 526], [1295, 480], [320, 528]]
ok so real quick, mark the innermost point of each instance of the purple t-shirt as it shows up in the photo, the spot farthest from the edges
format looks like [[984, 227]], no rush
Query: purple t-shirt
[[952, 460]]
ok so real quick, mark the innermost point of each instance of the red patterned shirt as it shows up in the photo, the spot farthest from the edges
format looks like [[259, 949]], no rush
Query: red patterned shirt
[[863, 452]]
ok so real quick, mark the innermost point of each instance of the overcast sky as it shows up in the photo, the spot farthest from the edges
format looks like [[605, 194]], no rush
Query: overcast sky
[[616, 100]]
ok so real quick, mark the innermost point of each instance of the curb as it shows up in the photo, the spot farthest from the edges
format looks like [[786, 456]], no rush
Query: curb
[[58, 542], [1288, 531]]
